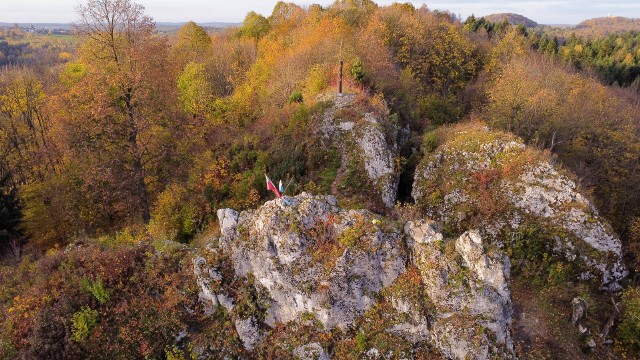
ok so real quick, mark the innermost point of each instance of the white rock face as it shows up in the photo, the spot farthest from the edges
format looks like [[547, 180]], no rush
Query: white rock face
[[248, 332], [209, 279], [495, 274], [540, 193], [207, 296], [365, 139], [378, 159], [544, 192], [228, 219], [422, 232], [313, 258], [274, 244], [311, 351], [471, 293]]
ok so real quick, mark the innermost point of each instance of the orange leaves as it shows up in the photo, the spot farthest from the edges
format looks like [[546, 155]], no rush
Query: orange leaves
[[434, 49], [217, 173], [487, 184], [324, 248], [483, 180]]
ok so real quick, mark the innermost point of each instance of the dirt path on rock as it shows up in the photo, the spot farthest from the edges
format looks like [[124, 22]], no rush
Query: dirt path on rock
[[540, 331], [340, 174]]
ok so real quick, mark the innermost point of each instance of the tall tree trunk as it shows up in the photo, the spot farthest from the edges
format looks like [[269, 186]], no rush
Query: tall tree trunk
[[141, 187]]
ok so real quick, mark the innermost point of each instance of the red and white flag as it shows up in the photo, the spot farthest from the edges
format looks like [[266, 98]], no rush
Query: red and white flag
[[271, 186]]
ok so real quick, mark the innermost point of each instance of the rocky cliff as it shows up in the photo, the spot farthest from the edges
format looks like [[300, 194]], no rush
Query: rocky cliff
[[321, 281], [318, 262]]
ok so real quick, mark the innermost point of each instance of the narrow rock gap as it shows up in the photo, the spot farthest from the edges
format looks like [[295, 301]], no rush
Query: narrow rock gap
[[412, 153]]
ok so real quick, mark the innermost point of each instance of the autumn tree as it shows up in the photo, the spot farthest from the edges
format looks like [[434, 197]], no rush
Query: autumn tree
[[285, 16], [594, 133], [254, 26], [435, 57], [193, 43], [431, 46], [195, 91], [438, 54], [125, 75], [354, 12], [231, 58], [23, 125]]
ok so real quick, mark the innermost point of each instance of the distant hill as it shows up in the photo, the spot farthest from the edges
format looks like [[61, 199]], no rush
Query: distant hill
[[610, 24], [204, 24], [514, 19], [170, 27], [161, 25], [66, 26], [596, 28]]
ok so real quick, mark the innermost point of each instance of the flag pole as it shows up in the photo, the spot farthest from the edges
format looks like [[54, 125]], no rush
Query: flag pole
[[286, 187]]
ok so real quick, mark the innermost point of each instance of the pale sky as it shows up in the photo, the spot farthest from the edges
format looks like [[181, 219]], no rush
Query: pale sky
[[541, 11]]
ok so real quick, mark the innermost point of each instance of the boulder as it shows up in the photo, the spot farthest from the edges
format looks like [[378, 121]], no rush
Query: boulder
[[312, 265], [248, 332], [311, 351], [579, 311]]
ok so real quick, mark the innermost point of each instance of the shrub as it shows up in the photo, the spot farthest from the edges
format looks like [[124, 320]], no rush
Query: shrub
[[250, 301], [351, 235], [295, 97], [317, 79], [96, 289], [361, 341], [629, 329], [175, 353], [353, 179], [174, 217], [329, 170], [429, 142], [357, 71], [439, 110], [558, 273], [527, 247], [83, 322], [127, 237], [633, 247]]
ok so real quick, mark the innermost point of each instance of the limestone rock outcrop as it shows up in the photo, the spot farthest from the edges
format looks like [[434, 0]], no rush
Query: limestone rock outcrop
[[303, 260], [364, 141], [489, 180], [303, 269], [470, 291], [313, 257]]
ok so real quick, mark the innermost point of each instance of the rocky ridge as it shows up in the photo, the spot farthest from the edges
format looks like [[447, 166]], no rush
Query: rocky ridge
[[310, 264], [329, 276], [315, 259]]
